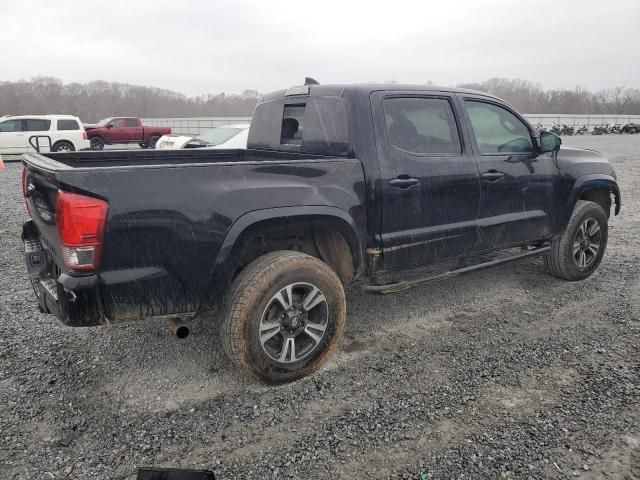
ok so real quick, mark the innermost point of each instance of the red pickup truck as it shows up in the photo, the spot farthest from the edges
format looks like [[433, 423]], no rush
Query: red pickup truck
[[123, 130]]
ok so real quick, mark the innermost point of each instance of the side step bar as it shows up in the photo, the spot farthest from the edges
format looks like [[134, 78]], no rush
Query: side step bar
[[397, 287]]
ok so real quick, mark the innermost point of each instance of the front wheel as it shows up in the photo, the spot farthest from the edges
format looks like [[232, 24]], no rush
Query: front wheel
[[284, 318], [579, 250], [96, 143]]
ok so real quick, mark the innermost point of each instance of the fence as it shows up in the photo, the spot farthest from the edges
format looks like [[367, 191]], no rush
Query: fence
[[548, 119], [193, 126], [197, 125]]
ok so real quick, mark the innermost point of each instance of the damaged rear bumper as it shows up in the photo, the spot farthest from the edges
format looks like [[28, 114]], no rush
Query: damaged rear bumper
[[74, 300]]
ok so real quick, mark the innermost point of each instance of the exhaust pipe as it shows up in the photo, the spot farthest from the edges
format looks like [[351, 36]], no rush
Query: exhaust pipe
[[179, 328]]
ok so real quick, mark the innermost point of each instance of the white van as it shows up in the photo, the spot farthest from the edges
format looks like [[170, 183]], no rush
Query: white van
[[65, 132]]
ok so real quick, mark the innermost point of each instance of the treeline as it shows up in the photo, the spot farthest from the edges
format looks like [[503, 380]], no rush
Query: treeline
[[99, 99], [528, 97]]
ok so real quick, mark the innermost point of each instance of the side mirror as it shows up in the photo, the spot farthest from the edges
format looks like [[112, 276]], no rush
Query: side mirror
[[549, 142], [110, 125]]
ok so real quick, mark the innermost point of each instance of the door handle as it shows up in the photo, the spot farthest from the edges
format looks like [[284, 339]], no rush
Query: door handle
[[403, 182], [493, 175]]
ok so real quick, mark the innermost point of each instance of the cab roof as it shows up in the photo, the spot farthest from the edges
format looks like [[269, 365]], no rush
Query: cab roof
[[338, 90]]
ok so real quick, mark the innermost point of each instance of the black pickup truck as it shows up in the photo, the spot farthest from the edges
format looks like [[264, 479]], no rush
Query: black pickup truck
[[386, 186]]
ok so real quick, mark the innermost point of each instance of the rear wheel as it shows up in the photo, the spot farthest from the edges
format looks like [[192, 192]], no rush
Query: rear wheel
[[63, 146], [96, 143], [579, 250], [152, 141], [285, 316]]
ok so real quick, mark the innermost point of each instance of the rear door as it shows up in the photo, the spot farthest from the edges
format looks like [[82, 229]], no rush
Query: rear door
[[39, 128], [12, 137], [429, 177], [517, 184], [134, 130]]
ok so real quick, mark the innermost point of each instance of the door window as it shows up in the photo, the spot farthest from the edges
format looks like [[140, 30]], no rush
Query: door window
[[422, 125], [497, 130], [11, 126], [131, 122], [118, 123], [37, 125]]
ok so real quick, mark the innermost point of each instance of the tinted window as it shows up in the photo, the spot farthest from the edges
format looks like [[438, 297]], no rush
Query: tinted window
[[131, 122], [37, 125], [497, 130], [292, 124], [118, 123], [11, 126], [422, 125], [68, 125]]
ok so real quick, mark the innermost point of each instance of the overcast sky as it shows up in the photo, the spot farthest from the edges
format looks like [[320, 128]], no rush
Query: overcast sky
[[196, 47]]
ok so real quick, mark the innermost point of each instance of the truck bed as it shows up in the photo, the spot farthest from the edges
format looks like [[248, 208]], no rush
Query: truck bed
[[173, 217], [155, 158]]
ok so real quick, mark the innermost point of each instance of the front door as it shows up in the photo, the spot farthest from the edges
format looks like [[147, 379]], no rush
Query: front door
[[429, 178], [118, 132], [517, 184]]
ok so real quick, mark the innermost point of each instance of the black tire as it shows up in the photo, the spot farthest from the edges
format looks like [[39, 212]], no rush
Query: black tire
[[152, 141], [63, 146], [96, 143], [251, 301], [565, 259]]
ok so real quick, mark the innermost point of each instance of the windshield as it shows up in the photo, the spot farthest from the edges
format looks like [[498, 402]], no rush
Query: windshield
[[104, 122], [216, 136]]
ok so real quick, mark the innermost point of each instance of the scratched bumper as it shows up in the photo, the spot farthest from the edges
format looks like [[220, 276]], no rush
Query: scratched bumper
[[74, 300]]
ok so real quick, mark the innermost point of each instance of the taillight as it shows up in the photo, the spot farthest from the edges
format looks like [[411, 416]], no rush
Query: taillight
[[81, 221], [84, 134], [24, 190]]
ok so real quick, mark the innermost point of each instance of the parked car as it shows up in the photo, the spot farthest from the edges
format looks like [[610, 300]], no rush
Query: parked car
[[388, 187], [59, 133], [121, 130], [229, 136]]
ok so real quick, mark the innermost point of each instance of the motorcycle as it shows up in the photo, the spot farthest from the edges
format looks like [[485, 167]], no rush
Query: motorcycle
[[566, 130], [582, 130]]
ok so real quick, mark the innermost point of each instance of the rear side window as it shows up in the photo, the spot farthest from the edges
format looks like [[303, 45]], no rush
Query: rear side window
[[292, 124], [11, 126], [497, 130], [68, 125], [424, 126], [131, 122], [37, 125]]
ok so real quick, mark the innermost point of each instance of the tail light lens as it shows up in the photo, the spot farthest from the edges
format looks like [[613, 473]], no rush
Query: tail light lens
[[84, 134], [81, 221], [24, 189]]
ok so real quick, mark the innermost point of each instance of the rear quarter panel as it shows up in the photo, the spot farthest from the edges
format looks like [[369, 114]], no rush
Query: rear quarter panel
[[166, 225]]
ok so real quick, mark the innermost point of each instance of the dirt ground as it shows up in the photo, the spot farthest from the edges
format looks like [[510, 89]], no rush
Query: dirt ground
[[495, 374]]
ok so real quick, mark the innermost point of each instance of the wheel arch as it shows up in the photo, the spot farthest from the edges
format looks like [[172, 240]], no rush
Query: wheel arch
[[596, 188], [330, 223]]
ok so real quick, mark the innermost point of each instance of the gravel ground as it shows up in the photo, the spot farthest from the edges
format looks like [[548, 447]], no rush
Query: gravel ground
[[493, 375]]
